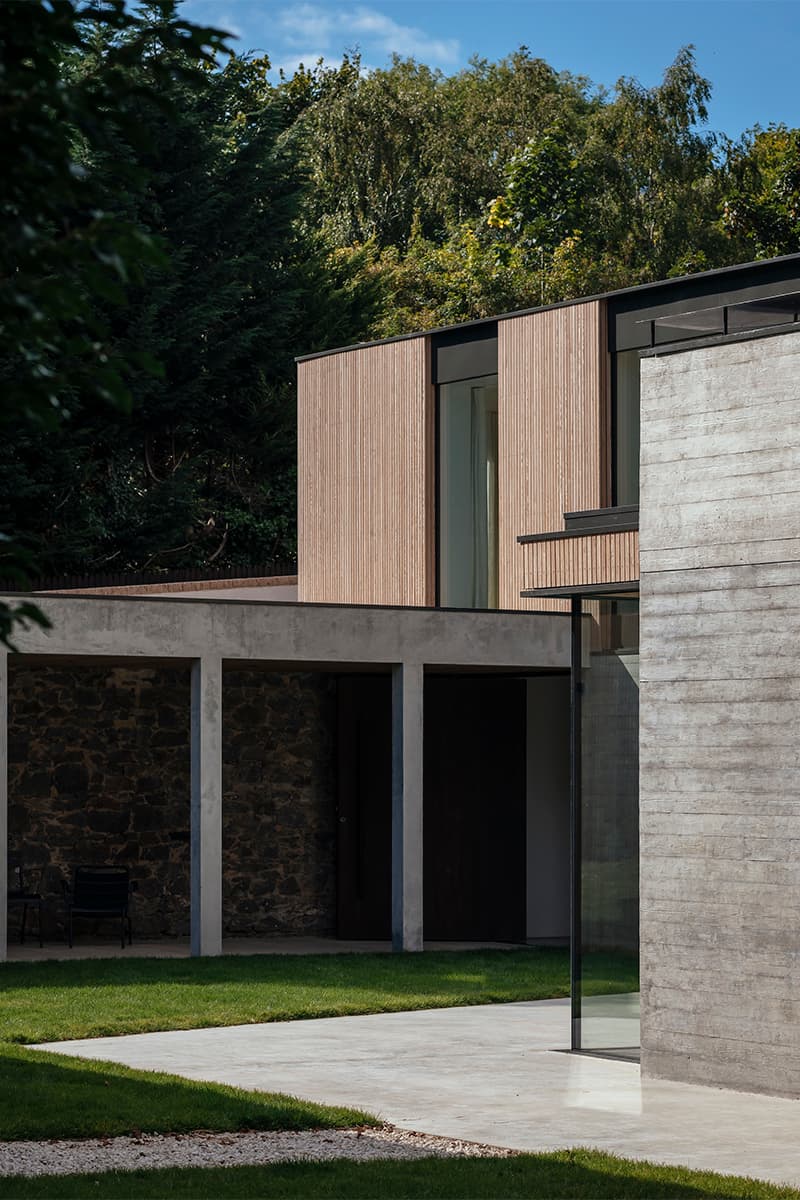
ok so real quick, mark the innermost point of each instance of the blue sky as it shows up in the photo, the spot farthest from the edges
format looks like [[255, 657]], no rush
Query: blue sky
[[749, 49]]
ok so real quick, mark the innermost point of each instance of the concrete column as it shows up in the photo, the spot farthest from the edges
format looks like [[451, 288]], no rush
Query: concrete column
[[206, 808], [407, 742], [3, 804]]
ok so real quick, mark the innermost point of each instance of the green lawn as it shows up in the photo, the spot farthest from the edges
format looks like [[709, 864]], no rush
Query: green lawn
[[573, 1174], [51, 1096], [44, 1095], [52, 1001]]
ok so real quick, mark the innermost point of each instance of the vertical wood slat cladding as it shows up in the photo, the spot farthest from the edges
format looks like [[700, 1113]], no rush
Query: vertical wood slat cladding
[[596, 558], [365, 476], [554, 431]]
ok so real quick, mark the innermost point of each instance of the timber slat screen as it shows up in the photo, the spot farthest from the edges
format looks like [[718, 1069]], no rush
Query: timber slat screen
[[553, 434], [365, 476], [596, 558]]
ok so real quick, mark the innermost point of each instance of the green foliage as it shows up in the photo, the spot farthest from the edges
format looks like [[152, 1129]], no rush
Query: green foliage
[[762, 205], [630, 195], [407, 150], [509, 185], [529, 188], [180, 228], [543, 193], [198, 163], [64, 255]]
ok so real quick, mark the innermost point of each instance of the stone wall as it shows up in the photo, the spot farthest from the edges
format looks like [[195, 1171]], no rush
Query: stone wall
[[279, 840], [720, 713], [99, 773]]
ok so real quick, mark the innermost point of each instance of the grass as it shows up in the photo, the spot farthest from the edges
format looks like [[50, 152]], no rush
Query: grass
[[53, 1001], [573, 1174], [46, 1095]]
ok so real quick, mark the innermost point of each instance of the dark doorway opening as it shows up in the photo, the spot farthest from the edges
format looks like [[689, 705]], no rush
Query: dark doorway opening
[[475, 808]]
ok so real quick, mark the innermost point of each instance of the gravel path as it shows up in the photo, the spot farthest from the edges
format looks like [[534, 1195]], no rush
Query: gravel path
[[204, 1149]]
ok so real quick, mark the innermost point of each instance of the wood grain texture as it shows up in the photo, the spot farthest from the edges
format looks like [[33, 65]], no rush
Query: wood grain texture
[[554, 431], [365, 476], [596, 558]]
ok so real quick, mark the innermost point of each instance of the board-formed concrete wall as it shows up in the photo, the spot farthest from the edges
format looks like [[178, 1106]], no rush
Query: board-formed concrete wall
[[720, 715]]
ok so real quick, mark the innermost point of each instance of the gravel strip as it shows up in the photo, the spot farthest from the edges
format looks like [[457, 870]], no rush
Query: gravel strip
[[204, 1149]]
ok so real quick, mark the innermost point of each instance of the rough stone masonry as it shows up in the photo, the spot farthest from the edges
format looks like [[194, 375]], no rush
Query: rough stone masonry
[[99, 773]]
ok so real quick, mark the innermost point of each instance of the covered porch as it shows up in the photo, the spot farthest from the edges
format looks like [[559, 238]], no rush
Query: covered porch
[[205, 643]]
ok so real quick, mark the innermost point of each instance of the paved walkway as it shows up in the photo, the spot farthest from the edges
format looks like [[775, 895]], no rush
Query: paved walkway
[[491, 1074]]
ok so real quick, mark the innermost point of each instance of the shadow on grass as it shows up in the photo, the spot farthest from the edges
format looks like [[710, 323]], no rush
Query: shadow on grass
[[577, 1175], [354, 969], [93, 998], [45, 1095], [90, 998]]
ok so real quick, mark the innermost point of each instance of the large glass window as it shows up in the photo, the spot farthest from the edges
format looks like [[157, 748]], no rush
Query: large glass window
[[607, 933], [468, 524], [625, 456]]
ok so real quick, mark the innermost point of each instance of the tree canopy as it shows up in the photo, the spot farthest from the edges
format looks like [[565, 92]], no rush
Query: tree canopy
[[179, 225]]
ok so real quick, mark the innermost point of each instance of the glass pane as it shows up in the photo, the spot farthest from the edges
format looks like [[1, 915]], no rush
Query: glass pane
[[677, 328], [626, 427], [468, 521], [609, 866], [760, 314]]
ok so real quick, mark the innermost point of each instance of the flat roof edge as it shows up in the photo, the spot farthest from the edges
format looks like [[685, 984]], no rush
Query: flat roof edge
[[586, 589], [177, 598], [524, 312]]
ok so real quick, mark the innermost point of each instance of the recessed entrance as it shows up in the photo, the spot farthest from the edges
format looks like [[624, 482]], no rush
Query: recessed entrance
[[478, 809]]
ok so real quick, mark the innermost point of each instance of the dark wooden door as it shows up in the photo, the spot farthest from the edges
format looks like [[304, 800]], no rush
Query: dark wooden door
[[365, 806], [474, 818], [475, 808]]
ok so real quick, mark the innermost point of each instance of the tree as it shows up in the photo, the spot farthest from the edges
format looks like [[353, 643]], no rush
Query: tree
[[407, 150], [61, 254], [629, 195], [761, 212], [199, 162]]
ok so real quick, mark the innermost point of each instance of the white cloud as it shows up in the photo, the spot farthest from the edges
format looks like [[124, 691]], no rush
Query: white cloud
[[229, 24], [290, 65], [307, 25], [393, 38], [310, 24], [211, 12]]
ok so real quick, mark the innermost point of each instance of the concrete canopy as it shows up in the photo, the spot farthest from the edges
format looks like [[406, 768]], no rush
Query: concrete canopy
[[212, 633]]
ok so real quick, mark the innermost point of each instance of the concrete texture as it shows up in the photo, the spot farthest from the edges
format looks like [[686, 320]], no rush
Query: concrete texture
[[298, 634], [206, 806], [720, 710], [492, 1074], [407, 801]]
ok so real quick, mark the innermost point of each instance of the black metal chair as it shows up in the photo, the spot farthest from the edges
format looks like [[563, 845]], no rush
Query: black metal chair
[[99, 892], [21, 897]]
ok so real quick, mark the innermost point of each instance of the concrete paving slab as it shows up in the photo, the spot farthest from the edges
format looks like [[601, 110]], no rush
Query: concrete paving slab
[[494, 1074]]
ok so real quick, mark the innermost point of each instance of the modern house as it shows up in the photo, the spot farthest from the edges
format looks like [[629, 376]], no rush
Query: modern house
[[538, 682]]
